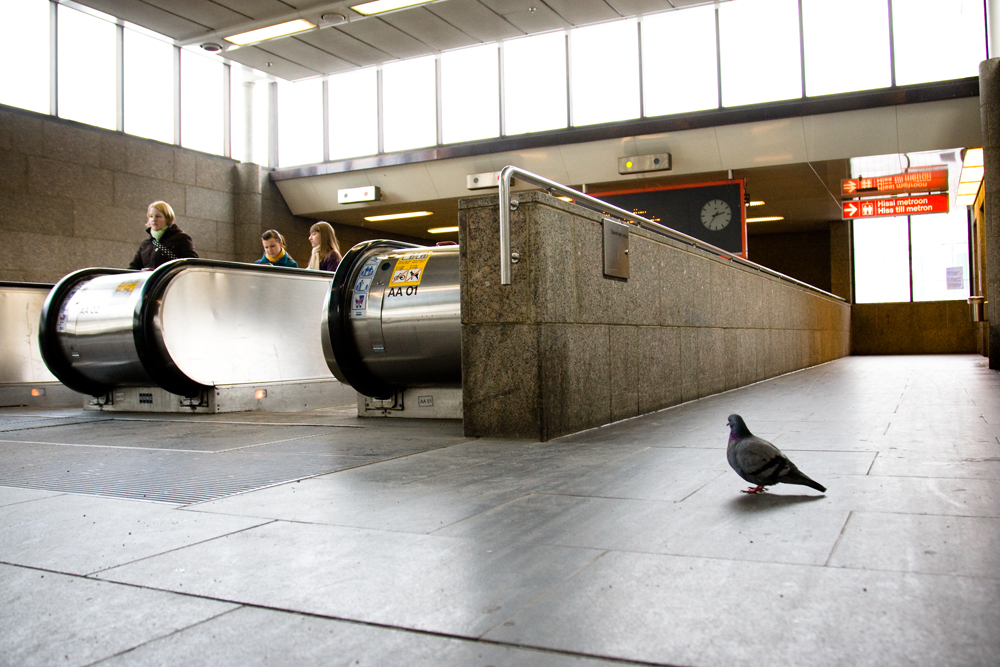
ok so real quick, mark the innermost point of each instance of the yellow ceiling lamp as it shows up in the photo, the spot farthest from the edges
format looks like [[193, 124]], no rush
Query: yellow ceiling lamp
[[767, 218], [382, 6], [442, 230], [270, 32], [397, 216], [972, 177]]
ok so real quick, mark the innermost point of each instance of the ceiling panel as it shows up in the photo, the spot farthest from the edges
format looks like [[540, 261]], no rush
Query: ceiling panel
[[384, 37], [635, 7], [150, 17], [475, 19], [251, 56], [430, 29], [346, 47], [306, 55], [258, 9], [210, 14], [582, 12], [529, 16]]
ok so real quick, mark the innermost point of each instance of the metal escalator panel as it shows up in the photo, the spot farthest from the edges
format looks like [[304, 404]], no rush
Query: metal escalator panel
[[187, 326], [20, 358], [223, 325]]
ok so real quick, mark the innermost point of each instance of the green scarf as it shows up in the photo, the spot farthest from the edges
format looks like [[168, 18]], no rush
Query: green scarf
[[158, 234]]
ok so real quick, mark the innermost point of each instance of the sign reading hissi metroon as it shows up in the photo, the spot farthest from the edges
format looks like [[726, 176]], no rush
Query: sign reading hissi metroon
[[928, 180]]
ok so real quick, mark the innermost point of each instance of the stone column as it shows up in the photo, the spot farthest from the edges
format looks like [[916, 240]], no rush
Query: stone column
[[248, 228], [989, 105], [841, 266]]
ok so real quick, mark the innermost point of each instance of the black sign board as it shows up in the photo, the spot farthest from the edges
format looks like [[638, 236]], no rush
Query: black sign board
[[710, 212]]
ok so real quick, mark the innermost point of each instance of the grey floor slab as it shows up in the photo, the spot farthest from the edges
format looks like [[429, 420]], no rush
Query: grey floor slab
[[796, 531], [712, 612], [424, 492], [869, 493], [82, 534], [52, 619], [251, 636], [978, 462], [955, 545], [439, 584]]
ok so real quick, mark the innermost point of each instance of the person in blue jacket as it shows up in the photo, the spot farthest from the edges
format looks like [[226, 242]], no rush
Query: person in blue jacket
[[274, 250]]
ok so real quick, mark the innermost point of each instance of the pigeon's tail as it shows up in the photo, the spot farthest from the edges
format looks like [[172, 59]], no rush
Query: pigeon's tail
[[796, 477]]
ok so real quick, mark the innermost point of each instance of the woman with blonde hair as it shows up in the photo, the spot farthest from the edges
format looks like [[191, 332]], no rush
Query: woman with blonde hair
[[325, 249], [166, 240]]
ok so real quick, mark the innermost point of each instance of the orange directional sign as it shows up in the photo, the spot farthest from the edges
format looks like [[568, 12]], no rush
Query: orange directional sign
[[876, 208], [911, 181]]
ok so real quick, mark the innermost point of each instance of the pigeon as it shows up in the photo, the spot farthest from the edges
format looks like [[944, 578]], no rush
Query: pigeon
[[759, 462]]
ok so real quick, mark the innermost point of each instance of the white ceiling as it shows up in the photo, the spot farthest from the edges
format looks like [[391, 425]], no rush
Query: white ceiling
[[362, 41]]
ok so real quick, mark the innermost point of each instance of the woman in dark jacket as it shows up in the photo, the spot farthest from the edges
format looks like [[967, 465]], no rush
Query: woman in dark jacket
[[166, 240]]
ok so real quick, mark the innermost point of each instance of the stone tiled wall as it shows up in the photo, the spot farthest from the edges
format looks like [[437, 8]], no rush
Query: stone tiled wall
[[929, 327], [563, 348], [74, 196]]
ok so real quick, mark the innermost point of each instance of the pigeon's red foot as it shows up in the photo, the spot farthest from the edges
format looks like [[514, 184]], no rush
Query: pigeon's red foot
[[754, 489]]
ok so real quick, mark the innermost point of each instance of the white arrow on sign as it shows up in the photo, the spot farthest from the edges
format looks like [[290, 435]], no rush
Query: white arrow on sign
[[850, 186], [850, 209]]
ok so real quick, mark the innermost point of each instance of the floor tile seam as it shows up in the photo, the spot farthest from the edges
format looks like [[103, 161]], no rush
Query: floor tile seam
[[262, 444], [923, 573], [343, 619], [92, 494], [39, 426], [955, 478], [313, 476], [153, 640], [55, 494], [94, 575], [840, 538], [116, 447], [545, 592], [229, 423], [481, 512]]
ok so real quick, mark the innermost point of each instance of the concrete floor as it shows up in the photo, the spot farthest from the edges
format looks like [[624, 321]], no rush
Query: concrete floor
[[323, 539]]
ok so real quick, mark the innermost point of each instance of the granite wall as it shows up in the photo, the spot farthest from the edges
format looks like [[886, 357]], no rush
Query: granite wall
[[929, 327], [75, 196], [564, 348]]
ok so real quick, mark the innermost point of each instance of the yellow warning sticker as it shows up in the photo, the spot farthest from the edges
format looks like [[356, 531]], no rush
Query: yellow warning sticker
[[409, 269], [126, 287]]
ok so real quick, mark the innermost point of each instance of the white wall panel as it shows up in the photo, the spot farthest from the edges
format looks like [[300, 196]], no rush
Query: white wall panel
[[762, 144]]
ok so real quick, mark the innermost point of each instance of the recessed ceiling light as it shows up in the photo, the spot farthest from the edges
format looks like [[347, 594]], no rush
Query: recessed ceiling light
[[443, 230], [756, 202], [397, 216], [381, 6], [767, 218], [270, 32]]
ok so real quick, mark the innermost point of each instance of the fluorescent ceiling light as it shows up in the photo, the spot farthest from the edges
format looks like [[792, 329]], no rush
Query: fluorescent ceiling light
[[972, 174], [270, 32], [973, 158], [380, 6], [968, 188], [397, 216], [767, 218], [443, 230], [755, 203]]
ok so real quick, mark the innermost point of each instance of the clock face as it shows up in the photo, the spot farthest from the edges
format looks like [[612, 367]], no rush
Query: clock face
[[716, 214]]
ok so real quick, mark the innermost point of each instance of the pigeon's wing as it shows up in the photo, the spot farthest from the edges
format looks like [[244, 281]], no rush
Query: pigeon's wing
[[759, 461]]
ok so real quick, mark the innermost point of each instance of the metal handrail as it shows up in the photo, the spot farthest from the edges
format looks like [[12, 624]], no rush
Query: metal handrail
[[594, 204]]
